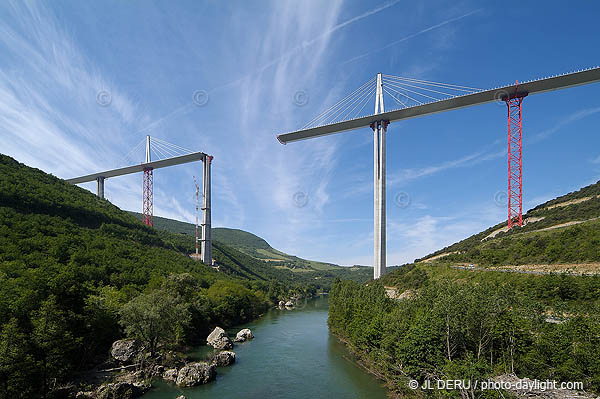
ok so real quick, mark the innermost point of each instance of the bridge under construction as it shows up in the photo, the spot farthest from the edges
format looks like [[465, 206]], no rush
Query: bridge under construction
[[414, 98], [169, 155]]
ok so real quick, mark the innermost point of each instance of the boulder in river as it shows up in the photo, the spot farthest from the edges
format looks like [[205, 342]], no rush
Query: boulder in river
[[243, 335], [224, 358], [180, 397], [125, 350], [289, 304], [218, 339], [196, 374], [281, 304]]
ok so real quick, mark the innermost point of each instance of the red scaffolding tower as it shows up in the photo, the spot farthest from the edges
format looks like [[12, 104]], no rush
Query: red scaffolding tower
[[515, 159], [148, 197]]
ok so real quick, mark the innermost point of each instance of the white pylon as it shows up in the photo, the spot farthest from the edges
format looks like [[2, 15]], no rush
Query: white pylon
[[206, 249], [379, 222], [197, 207], [148, 157]]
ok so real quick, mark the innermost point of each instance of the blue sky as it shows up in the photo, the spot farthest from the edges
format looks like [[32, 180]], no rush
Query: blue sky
[[252, 58]]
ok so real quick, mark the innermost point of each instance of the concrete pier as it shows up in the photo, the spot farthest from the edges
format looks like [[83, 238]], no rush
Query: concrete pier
[[379, 217], [206, 243], [100, 181]]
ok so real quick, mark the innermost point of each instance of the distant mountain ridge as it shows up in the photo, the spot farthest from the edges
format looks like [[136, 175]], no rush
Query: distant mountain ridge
[[245, 242]]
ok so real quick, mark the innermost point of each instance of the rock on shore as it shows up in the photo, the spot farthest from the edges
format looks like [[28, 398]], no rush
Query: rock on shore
[[196, 374], [243, 335], [125, 350], [121, 390], [170, 375], [218, 339]]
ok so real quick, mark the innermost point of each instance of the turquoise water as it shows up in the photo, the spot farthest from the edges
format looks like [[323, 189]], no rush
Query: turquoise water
[[293, 355]]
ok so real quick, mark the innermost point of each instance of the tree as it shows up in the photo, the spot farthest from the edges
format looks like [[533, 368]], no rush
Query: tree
[[156, 319], [16, 365], [53, 341]]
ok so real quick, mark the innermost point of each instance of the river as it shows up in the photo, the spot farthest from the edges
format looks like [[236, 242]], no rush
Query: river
[[293, 355]]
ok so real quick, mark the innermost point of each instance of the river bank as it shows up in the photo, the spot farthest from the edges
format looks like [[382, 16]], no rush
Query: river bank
[[293, 355]]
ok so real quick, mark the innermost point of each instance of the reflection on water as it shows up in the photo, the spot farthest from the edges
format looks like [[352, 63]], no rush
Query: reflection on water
[[292, 356]]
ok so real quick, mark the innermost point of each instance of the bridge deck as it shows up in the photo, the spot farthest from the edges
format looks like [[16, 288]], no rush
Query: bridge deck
[[196, 156], [532, 87]]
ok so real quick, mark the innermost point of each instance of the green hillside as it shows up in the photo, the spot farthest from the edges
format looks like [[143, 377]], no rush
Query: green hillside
[[77, 273], [232, 237], [245, 242], [437, 317], [565, 230], [239, 253]]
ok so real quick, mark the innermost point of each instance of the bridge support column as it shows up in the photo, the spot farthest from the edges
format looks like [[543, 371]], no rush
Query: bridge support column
[[206, 249], [100, 181], [515, 159], [379, 216]]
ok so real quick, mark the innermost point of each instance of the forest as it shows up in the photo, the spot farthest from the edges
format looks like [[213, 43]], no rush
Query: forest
[[471, 325], [77, 273]]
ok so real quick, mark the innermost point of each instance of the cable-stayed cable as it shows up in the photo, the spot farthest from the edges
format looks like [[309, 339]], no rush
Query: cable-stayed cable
[[431, 83], [405, 95], [414, 92], [368, 90], [340, 103]]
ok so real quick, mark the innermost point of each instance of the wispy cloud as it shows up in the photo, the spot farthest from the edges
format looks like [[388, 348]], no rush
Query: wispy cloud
[[409, 240], [49, 110], [430, 233], [406, 175], [574, 117], [412, 35]]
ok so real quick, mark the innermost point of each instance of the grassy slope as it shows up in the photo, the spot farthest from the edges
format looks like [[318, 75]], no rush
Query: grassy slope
[[245, 242], [529, 245]]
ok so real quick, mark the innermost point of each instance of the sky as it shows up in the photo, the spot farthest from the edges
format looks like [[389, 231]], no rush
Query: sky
[[82, 83]]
